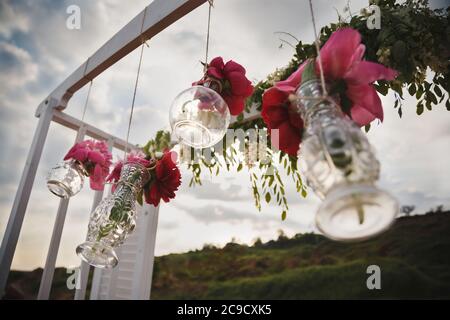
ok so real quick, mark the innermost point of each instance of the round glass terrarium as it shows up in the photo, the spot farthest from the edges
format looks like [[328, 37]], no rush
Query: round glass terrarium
[[340, 166], [199, 117], [114, 219], [66, 179]]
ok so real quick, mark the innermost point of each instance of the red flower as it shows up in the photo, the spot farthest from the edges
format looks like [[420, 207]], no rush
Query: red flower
[[96, 159], [235, 85], [348, 75], [165, 180], [284, 123]]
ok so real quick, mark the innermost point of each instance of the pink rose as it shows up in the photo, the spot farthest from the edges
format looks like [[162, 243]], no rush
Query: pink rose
[[96, 159]]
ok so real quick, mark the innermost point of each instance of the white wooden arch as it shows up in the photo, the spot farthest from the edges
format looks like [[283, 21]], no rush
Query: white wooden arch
[[131, 279]]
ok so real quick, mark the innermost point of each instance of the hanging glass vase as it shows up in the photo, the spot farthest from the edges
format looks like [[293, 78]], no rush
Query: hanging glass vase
[[66, 179], [199, 116], [340, 166], [114, 218]]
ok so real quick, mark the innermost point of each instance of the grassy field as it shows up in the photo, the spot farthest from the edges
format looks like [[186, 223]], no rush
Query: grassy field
[[414, 257]]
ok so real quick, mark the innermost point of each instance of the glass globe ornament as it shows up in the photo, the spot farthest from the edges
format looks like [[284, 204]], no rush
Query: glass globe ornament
[[340, 166], [66, 179], [199, 117]]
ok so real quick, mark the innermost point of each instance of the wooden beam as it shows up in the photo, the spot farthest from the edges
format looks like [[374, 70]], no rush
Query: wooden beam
[[149, 22]]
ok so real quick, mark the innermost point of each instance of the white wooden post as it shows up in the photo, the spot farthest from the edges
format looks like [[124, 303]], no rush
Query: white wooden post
[[132, 277], [49, 268], [16, 217]]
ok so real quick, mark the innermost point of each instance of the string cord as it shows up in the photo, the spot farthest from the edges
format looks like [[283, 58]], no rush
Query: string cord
[[134, 99], [319, 58], [86, 102], [211, 3], [130, 120]]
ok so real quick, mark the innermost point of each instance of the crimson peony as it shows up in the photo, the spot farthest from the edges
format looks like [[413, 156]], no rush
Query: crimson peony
[[166, 179]]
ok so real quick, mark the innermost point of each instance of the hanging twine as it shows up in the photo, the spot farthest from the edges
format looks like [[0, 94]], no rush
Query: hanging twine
[[87, 101], [319, 58], [211, 4], [130, 120], [324, 96], [144, 43]]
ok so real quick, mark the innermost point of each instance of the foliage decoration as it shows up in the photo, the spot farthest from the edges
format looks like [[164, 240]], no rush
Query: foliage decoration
[[413, 39]]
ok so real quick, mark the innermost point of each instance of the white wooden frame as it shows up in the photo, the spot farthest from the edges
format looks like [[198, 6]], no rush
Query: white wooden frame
[[148, 23]]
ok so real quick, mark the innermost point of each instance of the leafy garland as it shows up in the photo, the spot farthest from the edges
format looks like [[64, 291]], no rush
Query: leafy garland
[[412, 40]]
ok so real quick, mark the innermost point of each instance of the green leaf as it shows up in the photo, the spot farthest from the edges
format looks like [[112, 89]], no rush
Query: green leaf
[[271, 180], [367, 127], [419, 92], [400, 112], [431, 97], [268, 197], [447, 104], [438, 91], [304, 193], [412, 89], [283, 215], [239, 168], [140, 197], [419, 109]]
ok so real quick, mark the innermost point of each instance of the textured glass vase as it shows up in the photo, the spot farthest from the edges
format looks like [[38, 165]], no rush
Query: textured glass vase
[[199, 117], [66, 179], [340, 166], [114, 219]]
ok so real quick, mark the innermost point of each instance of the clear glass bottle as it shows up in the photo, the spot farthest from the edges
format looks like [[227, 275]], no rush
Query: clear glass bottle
[[199, 116], [340, 166], [66, 179], [114, 218]]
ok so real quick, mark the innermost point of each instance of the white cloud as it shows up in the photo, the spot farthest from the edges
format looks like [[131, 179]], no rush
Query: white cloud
[[11, 20], [18, 67]]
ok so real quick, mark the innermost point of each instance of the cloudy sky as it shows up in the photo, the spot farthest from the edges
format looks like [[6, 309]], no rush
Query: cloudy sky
[[37, 52]]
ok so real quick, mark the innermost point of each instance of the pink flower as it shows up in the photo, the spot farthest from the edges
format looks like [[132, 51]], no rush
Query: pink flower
[[349, 77], [95, 158], [138, 157], [235, 85], [135, 157]]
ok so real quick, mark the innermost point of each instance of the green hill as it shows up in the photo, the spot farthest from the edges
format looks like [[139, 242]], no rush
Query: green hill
[[414, 257]]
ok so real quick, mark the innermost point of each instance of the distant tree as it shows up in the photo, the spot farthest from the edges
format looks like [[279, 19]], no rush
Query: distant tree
[[407, 210], [257, 242], [281, 235], [209, 246]]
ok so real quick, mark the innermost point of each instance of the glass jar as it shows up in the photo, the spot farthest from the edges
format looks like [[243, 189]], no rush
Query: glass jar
[[114, 219], [199, 117], [66, 179], [340, 166]]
